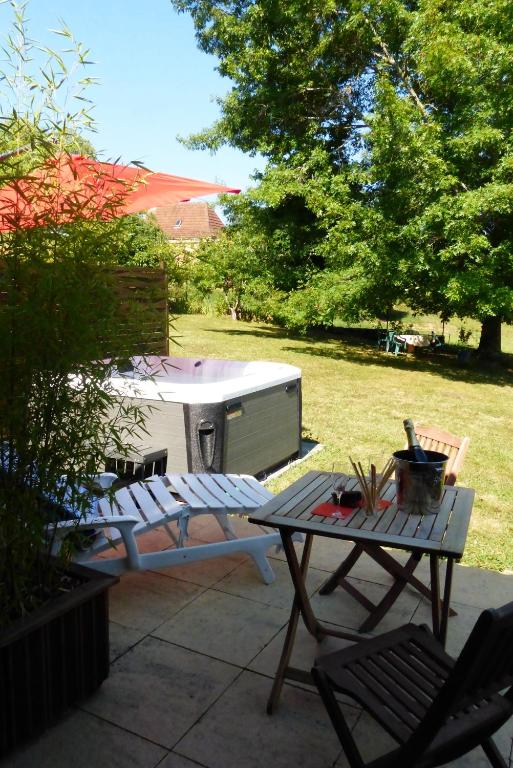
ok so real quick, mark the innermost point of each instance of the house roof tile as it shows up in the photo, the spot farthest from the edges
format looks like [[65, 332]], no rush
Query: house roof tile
[[188, 221]]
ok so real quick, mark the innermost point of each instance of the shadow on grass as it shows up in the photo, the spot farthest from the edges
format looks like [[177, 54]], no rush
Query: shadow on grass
[[260, 331], [359, 346]]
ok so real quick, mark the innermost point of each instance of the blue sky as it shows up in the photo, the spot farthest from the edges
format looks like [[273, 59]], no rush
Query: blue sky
[[155, 83]]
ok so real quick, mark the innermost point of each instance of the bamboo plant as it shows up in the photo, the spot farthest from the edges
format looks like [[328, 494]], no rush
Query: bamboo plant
[[58, 313]]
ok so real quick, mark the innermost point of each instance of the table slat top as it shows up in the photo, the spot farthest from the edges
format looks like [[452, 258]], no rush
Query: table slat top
[[443, 533]]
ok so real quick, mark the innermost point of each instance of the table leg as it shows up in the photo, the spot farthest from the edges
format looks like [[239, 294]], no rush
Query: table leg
[[441, 609], [298, 574], [390, 564], [435, 594], [402, 577], [290, 636], [446, 600], [338, 577], [300, 606]]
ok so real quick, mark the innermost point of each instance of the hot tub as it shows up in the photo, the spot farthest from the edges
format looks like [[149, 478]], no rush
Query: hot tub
[[216, 415]]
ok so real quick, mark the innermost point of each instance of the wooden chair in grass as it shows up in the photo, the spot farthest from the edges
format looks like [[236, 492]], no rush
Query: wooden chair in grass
[[431, 439], [434, 707], [435, 439]]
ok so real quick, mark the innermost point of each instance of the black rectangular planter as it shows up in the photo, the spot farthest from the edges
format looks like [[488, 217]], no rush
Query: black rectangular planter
[[53, 658]]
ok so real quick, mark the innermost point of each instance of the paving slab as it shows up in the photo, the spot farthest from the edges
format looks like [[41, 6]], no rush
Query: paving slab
[[142, 600], [207, 528], [342, 609], [81, 740], [121, 639], [178, 695], [325, 554], [155, 540], [306, 649], [481, 588], [224, 626], [245, 581], [205, 573], [237, 732], [328, 553], [159, 690], [371, 739], [459, 627], [173, 760]]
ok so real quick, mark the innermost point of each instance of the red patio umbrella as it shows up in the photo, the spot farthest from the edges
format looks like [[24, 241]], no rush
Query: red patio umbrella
[[70, 187]]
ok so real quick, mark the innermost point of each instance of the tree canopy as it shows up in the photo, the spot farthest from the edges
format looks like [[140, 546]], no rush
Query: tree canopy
[[388, 129], [442, 165]]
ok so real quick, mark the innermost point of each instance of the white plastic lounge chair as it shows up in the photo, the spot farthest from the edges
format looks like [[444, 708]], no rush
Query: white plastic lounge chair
[[142, 506]]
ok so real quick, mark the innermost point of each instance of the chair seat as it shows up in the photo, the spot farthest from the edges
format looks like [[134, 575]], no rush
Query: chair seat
[[395, 676], [236, 494], [140, 507]]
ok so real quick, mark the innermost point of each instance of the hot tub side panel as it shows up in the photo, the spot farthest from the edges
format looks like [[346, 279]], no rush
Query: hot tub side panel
[[165, 425], [263, 429], [248, 434]]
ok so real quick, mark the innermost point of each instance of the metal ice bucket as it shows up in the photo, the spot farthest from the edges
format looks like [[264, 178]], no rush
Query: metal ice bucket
[[419, 483]]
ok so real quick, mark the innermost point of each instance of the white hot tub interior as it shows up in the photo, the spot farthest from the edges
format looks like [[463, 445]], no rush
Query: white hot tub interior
[[195, 380]]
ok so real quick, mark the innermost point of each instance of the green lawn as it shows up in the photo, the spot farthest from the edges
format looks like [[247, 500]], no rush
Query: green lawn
[[355, 399]]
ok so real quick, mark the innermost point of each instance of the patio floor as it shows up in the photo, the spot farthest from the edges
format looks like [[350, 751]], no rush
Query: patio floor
[[194, 649]]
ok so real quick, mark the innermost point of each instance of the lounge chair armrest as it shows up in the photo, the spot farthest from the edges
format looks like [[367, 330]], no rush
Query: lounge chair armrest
[[105, 479], [112, 521], [124, 523]]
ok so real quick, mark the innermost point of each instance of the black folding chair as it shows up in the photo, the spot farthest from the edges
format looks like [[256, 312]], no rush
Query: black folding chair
[[434, 707]]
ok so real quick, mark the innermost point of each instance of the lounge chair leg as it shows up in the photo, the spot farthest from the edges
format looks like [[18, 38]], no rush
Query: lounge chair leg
[[226, 525], [263, 565], [171, 534]]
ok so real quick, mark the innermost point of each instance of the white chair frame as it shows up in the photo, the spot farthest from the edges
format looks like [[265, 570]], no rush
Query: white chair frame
[[162, 501]]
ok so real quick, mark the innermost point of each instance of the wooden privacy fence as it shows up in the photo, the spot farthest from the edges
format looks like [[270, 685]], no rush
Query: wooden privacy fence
[[141, 326], [142, 290]]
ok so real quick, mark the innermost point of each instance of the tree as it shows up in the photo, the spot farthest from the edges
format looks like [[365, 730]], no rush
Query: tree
[[270, 244], [139, 241], [305, 224], [231, 268], [410, 104], [442, 162], [299, 72]]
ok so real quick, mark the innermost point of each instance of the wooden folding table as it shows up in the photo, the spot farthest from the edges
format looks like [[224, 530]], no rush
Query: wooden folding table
[[441, 535]]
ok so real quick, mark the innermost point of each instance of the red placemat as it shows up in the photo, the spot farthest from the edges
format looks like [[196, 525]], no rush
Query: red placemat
[[328, 509]]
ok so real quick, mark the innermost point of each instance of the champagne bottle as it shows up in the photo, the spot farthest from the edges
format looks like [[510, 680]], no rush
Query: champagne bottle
[[413, 444]]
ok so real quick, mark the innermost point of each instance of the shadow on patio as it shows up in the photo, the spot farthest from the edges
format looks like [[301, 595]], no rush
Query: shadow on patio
[[194, 650]]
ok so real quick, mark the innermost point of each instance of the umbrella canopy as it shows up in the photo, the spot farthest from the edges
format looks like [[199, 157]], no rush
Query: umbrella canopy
[[71, 187]]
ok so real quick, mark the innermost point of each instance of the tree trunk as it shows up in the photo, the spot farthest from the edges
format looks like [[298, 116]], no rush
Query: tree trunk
[[490, 341]]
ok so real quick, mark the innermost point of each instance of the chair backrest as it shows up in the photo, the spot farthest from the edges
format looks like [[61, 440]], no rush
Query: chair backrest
[[484, 668], [435, 439], [385, 336], [485, 665]]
